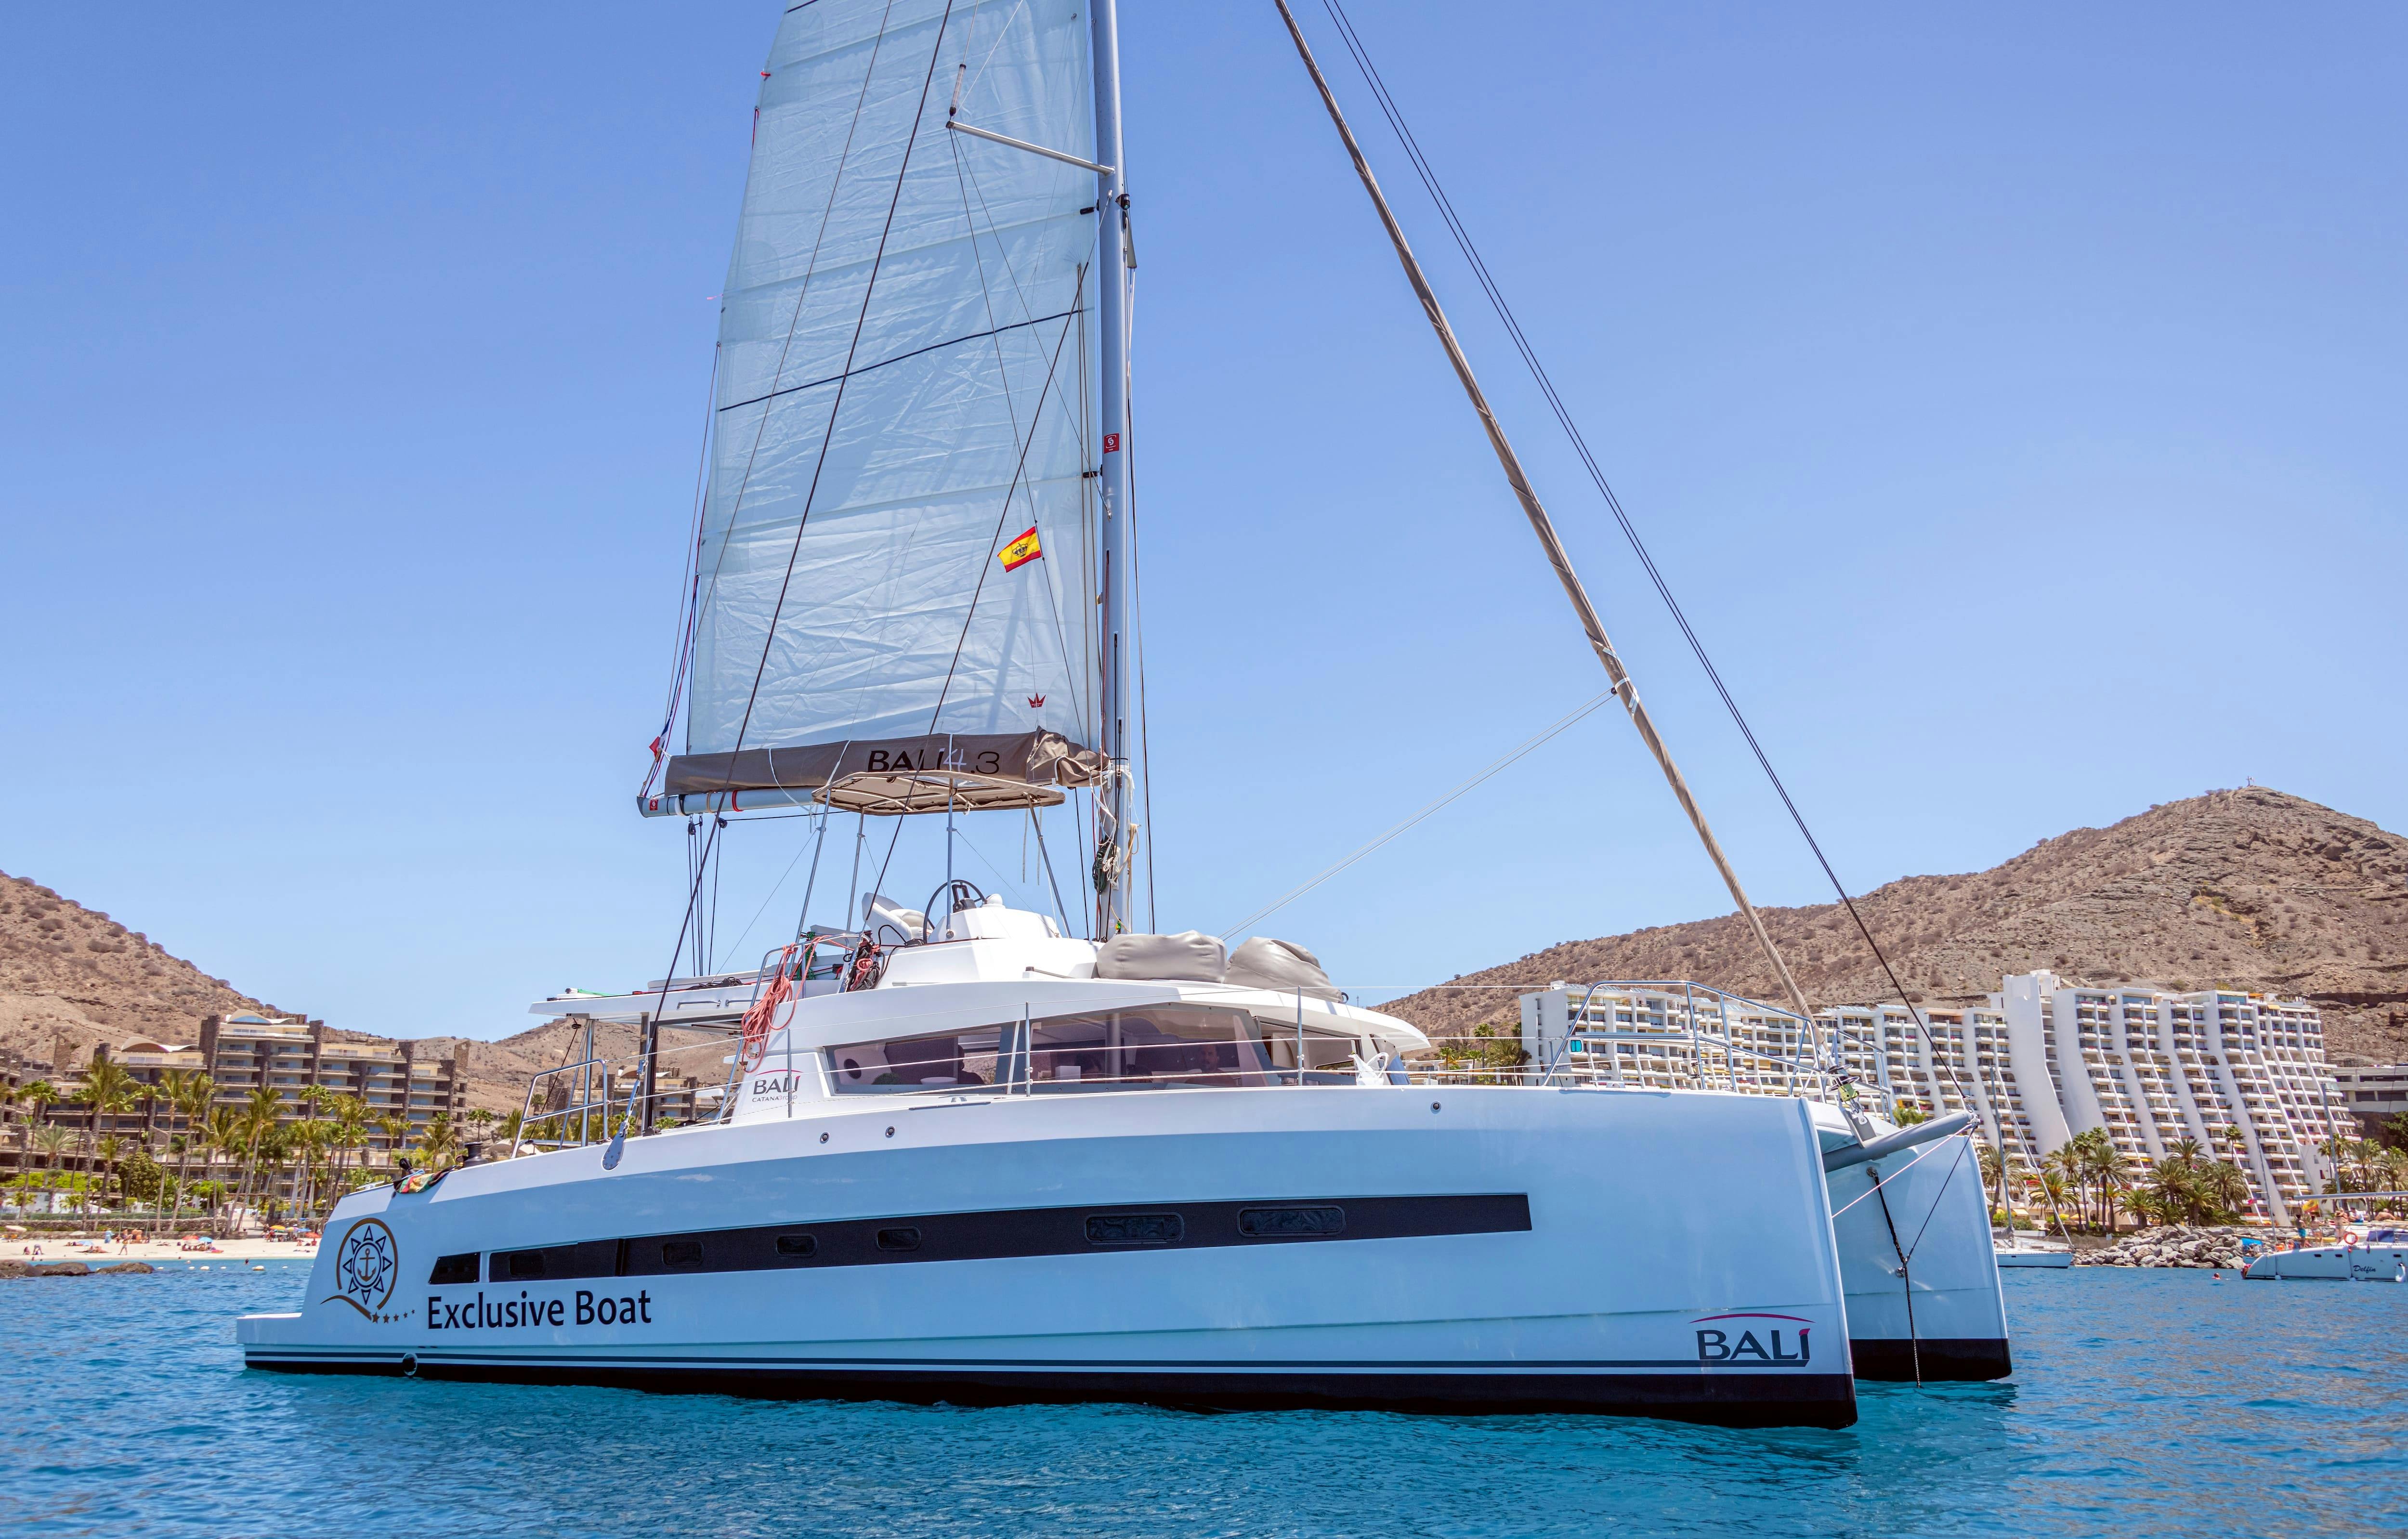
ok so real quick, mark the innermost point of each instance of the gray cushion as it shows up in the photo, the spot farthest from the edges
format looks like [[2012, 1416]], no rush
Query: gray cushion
[[1188, 957], [1263, 963]]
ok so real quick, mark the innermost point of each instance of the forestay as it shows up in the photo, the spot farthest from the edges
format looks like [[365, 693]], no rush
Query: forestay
[[900, 401]]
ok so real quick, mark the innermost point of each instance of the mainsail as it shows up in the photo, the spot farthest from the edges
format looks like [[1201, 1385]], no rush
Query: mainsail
[[900, 421]]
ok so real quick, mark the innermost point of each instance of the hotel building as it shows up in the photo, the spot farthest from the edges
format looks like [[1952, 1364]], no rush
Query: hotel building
[[2241, 1075]]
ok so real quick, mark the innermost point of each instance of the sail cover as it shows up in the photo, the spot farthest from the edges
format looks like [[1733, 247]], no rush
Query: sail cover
[[894, 553]]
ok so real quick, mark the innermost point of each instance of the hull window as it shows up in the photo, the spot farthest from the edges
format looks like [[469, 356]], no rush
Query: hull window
[[558, 1262], [1292, 1223], [1136, 1228], [454, 1269], [913, 1239]]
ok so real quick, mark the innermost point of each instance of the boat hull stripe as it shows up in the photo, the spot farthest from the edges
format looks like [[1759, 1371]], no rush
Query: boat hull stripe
[[1091, 1229], [1689, 1394]]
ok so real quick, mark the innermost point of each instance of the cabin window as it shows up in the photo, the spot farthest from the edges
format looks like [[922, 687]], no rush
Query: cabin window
[[681, 1255], [1136, 1228], [915, 1063], [519, 1265], [1291, 1223], [1325, 1053], [797, 1246], [904, 1238], [454, 1269], [1157, 1046]]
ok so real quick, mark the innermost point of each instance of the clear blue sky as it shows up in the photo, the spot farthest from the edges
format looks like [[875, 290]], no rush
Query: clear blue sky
[[2015, 398]]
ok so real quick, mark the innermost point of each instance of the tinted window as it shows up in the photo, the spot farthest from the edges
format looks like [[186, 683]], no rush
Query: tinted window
[[1291, 1223], [681, 1254], [798, 1244], [899, 1239], [454, 1269], [1160, 1045], [519, 1266], [1135, 1229]]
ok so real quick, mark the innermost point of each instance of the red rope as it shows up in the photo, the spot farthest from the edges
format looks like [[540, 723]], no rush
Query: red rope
[[762, 1015]]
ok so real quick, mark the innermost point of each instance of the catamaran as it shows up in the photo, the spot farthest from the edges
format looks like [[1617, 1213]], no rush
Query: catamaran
[[967, 1153]]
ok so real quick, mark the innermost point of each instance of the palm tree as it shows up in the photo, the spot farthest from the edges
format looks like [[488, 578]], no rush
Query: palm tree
[[105, 1091], [396, 1135], [350, 1123], [2109, 1174], [2053, 1187], [261, 1110], [39, 1094], [2068, 1164], [109, 1146], [52, 1140], [439, 1140], [229, 1136], [194, 1092], [511, 1124], [2223, 1184], [2395, 1175]]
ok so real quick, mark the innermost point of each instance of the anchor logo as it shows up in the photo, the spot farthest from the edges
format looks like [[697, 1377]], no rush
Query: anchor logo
[[367, 1268]]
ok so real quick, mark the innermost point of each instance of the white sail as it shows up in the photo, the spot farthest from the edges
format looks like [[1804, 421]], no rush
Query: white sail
[[902, 375]]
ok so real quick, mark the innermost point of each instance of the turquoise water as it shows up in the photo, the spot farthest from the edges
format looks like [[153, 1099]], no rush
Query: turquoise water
[[2144, 1402]]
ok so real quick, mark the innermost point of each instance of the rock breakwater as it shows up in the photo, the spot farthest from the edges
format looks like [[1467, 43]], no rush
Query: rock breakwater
[[2177, 1245]]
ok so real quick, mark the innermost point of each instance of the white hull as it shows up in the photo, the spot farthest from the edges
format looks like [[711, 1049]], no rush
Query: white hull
[[2332, 1263], [1675, 1259], [2054, 1261], [1924, 1300]]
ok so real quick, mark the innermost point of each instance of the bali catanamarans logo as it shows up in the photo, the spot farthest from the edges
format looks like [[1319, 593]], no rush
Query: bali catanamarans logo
[[367, 1269], [1716, 1345]]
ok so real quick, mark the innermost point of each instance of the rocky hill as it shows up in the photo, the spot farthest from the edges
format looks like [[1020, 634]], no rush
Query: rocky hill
[[70, 972], [71, 978], [2250, 888]]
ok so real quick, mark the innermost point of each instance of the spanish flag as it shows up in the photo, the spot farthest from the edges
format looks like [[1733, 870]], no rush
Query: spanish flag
[[1021, 551]]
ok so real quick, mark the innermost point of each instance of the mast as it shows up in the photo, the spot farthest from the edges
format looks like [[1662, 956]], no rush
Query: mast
[[1625, 689], [1114, 842]]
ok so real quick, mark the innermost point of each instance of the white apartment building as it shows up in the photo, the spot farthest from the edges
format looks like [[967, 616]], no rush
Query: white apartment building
[[2374, 1092], [2241, 1075]]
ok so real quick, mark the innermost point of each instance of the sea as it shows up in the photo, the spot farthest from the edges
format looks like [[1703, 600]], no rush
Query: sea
[[2143, 1403]]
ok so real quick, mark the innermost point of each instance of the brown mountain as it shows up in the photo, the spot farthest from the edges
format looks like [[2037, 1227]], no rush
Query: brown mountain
[[71, 975], [2249, 889], [72, 978]]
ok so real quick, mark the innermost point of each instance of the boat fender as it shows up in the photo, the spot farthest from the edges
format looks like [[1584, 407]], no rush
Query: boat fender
[[1904, 1138]]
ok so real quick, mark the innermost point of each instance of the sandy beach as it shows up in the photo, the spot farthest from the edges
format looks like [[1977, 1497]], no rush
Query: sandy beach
[[87, 1248]]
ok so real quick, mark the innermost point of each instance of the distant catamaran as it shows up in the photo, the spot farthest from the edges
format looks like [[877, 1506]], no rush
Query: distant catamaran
[[964, 1155]]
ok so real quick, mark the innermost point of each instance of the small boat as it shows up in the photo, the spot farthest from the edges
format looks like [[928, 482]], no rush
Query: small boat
[[2375, 1254], [2021, 1248]]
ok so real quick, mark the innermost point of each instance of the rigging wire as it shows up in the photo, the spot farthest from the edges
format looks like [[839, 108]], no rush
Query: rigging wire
[[689, 581], [1137, 616], [1496, 301], [1545, 737]]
